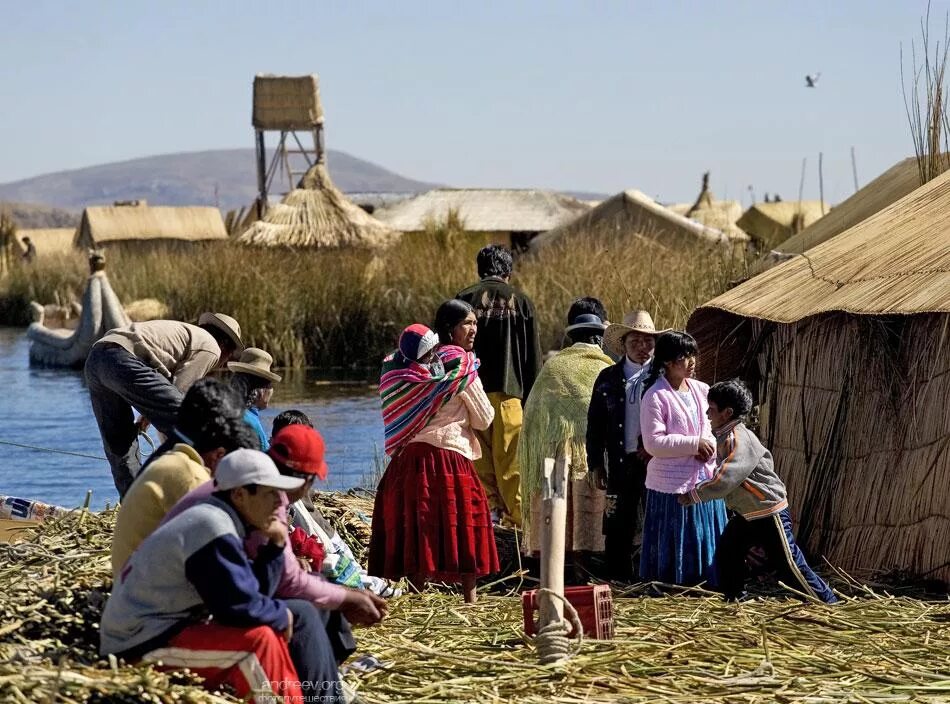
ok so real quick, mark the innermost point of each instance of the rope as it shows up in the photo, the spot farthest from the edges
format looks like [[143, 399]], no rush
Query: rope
[[68, 452], [552, 641]]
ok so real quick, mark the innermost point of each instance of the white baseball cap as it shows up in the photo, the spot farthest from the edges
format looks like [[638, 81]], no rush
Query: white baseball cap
[[243, 467]]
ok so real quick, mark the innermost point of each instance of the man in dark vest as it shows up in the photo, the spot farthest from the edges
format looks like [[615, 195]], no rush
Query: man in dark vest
[[509, 349]]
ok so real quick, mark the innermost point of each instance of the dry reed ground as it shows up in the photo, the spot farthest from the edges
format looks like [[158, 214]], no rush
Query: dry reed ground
[[345, 307], [673, 649]]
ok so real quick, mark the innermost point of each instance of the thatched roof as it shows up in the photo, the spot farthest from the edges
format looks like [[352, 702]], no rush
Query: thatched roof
[[48, 241], [770, 223], [286, 102], [484, 210], [103, 224], [317, 214], [631, 213], [893, 184]]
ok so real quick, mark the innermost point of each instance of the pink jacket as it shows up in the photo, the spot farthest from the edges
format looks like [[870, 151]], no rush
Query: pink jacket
[[671, 434], [295, 582]]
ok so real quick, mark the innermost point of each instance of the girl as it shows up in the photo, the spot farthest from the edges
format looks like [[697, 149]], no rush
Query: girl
[[431, 518], [254, 380], [679, 542]]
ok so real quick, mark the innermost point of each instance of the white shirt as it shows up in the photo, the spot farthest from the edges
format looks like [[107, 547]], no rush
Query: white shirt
[[634, 376]]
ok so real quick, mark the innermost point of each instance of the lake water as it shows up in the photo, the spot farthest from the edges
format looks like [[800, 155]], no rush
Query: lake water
[[50, 408]]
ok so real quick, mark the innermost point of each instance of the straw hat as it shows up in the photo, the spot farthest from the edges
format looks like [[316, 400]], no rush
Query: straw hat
[[256, 362], [226, 324], [635, 321]]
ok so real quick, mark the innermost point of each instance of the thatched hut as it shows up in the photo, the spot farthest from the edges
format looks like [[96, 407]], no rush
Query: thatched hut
[[707, 210], [48, 241], [317, 214], [139, 223], [770, 223], [847, 348], [631, 214], [508, 216]]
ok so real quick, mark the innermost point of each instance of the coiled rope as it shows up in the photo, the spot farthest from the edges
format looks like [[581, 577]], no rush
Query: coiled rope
[[552, 642]]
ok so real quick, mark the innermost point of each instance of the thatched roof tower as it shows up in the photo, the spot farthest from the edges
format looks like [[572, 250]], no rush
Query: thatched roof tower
[[846, 349], [317, 214]]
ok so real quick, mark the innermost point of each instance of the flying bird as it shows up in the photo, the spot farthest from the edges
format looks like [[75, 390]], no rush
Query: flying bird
[[812, 80]]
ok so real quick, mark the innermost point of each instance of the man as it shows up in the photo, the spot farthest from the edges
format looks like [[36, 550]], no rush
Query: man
[[210, 424], [616, 460], [196, 565], [149, 366], [29, 254], [508, 346]]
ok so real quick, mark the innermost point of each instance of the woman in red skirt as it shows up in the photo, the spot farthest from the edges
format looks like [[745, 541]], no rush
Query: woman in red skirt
[[431, 519]]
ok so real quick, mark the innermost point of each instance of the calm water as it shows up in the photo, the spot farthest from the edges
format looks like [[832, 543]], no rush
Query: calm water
[[50, 408]]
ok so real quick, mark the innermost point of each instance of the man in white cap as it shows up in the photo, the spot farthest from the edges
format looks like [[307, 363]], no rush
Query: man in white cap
[[616, 460], [149, 366], [196, 565]]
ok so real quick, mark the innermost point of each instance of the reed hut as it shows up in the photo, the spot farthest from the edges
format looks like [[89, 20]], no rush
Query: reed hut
[[847, 349], [138, 223], [512, 217], [770, 223], [317, 214], [48, 241], [632, 214], [707, 210]]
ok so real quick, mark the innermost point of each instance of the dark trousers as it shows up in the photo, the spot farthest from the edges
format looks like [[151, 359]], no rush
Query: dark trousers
[[117, 381], [774, 535], [312, 652], [623, 517]]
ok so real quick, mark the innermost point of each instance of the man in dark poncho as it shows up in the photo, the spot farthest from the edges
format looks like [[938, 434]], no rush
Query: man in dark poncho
[[509, 349]]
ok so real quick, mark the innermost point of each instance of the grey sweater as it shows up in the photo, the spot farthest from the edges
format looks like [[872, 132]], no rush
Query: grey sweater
[[745, 476]]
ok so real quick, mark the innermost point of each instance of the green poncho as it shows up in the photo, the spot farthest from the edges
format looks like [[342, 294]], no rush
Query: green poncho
[[556, 414]]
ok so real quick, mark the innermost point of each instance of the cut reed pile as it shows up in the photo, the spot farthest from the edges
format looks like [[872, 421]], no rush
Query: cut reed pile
[[346, 307], [676, 649]]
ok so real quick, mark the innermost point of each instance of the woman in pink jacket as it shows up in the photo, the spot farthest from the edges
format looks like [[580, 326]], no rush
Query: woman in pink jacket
[[679, 542]]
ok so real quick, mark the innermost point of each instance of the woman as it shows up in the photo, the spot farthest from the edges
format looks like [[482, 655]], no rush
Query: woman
[[431, 518], [455, 324], [254, 380], [679, 542]]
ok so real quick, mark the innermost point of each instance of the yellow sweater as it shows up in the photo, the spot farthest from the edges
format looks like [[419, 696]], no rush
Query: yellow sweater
[[151, 496]]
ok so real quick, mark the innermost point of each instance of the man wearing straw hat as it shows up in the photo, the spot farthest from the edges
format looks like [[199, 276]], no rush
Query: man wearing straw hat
[[149, 366], [509, 349], [254, 380], [616, 460]]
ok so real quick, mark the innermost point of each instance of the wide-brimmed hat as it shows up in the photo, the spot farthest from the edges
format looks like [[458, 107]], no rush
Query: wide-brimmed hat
[[587, 321], [256, 362], [300, 448], [226, 324], [634, 321], [245, 467]]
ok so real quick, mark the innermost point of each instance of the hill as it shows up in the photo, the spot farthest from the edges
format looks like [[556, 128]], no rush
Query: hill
[[226, 178], [33, 215]]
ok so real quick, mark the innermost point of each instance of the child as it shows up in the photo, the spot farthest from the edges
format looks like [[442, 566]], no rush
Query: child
[[746, 479]]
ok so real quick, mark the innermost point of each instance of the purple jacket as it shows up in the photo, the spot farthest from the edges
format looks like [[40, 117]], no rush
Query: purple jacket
[[295, 582], [671, 433]]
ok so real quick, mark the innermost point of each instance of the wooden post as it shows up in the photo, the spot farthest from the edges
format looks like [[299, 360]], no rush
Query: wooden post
[[854, 170], [261, 175], [821, 185], [553, 532]]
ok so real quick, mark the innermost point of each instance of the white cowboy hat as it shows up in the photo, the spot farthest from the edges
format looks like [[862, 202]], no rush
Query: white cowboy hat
[[226, 324], [256, 362], [634, 321]]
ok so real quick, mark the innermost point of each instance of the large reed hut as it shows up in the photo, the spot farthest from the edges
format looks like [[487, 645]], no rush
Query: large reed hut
[[512, 217], [847, 348], [317, 214], [633, 214], [770, 223], [138, 223], [48, 241]]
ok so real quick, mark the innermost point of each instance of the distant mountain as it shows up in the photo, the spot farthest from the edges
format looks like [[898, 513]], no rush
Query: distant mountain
[[32, 215], [226, 178]]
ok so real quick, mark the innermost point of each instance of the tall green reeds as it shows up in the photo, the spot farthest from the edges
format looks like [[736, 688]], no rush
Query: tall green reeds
[[345, 308]]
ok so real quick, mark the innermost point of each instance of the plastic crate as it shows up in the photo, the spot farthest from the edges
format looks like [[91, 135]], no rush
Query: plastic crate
[[593, 604]]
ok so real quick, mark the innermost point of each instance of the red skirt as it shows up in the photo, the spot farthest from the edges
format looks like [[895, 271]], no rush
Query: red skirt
[[431, 518]]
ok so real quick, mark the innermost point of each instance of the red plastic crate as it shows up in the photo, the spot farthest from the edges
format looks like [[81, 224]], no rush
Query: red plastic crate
[[593, 603]]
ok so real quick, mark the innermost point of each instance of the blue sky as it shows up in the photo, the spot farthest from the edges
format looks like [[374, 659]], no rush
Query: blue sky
[[596, 96]]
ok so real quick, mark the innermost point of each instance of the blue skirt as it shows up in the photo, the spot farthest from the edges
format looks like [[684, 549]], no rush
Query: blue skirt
[[679, 542]]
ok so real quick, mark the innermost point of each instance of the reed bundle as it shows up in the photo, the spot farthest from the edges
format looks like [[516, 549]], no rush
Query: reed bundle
[[351, 515]]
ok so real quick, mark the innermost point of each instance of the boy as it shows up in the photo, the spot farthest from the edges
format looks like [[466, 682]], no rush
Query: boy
[[746, 479]]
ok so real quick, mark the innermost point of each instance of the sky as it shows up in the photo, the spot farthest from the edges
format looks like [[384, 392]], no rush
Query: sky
[[587, 95]]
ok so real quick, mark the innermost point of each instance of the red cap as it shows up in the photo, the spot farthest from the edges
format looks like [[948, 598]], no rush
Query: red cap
[[300, 448]]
